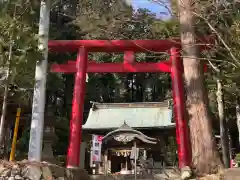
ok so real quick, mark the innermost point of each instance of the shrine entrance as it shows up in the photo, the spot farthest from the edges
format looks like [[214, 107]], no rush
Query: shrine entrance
[[82, 66], [125, 134]]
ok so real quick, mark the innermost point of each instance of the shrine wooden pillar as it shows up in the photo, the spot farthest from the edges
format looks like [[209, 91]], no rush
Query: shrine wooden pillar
[[75, 138], [182, 130]]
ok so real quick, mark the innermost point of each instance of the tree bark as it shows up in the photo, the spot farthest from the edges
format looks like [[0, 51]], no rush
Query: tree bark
[[223, 125], [5, 96], [205, 158], [238, 116], [7, 141]]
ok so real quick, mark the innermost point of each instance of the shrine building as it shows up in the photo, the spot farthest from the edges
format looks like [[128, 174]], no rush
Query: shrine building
[[150, 123]]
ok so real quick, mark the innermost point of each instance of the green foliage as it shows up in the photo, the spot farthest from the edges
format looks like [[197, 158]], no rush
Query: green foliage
[[18, 27], [221, 20], [22, 144], [121, 22], [62, 132], [171, 150], [102, 19], [238, 157]]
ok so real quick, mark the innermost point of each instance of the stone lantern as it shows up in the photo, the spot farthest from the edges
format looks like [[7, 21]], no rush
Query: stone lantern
[[49, 136]]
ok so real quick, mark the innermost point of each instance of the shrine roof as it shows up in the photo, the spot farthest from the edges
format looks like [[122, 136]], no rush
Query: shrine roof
[[160, 45], [136, 115]]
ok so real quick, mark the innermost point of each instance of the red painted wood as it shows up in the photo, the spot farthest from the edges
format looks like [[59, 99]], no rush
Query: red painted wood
[[205, 68], [70, 67], [77, 110], [182, 135], [114, 67], [120, 45], [129, 57], [74, 62]]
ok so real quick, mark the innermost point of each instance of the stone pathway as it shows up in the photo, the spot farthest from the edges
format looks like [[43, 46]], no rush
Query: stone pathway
[[45, 171], [168, 174], [232, 174]]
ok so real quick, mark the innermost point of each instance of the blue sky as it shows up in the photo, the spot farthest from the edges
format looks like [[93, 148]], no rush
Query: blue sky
[[154, 7]]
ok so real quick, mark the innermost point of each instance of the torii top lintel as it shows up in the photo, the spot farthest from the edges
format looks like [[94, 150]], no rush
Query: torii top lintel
[[121, 45]]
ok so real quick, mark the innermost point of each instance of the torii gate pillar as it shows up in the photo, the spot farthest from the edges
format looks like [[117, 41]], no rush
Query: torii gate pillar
[[182, 134], [75, 138]]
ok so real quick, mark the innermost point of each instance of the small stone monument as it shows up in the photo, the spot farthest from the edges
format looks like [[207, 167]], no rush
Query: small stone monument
[[49, 136]]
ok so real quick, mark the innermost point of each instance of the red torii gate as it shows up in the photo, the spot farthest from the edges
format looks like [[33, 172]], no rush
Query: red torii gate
[[82, 65]]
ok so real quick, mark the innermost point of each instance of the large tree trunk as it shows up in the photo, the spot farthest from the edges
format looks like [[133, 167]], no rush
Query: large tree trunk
[[223, 125], [205, 158]]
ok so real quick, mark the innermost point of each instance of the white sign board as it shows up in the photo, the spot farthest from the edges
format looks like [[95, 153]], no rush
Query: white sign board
[[96, 148]]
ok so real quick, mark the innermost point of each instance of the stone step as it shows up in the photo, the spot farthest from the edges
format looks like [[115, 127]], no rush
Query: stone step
[[232, 174]]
